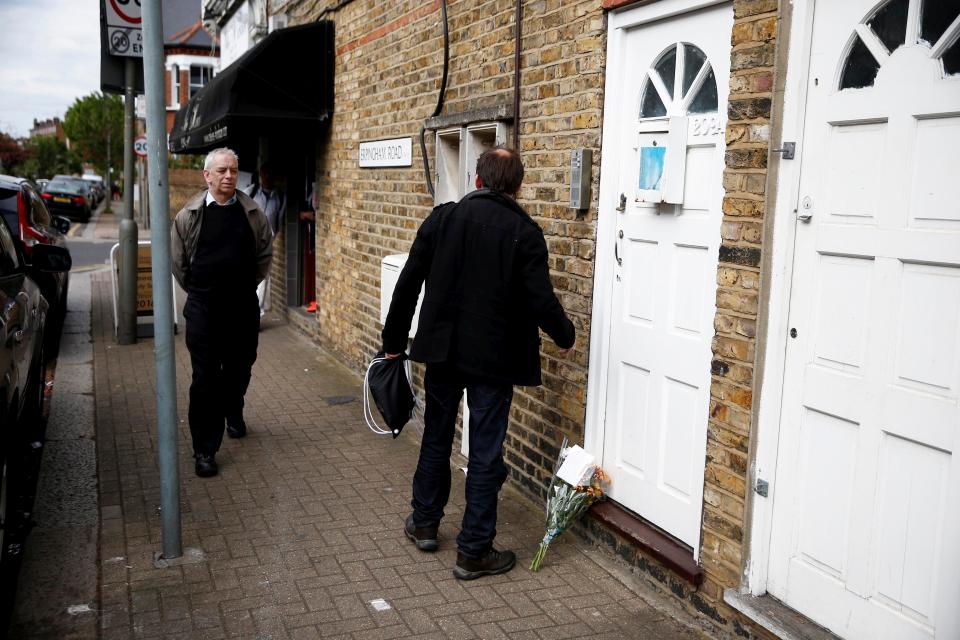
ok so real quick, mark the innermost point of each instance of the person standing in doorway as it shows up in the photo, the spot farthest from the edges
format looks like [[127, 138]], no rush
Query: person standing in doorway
[[488, 290], [221, 248], [273, 202]]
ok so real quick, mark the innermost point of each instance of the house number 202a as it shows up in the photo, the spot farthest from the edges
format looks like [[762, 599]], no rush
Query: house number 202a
[[705, 126]]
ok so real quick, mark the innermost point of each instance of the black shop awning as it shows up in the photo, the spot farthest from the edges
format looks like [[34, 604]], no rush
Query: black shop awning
[[281, 87]]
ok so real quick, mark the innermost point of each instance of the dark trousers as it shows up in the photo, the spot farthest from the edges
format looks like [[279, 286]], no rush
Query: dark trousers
[[489, 404], [222, 339]]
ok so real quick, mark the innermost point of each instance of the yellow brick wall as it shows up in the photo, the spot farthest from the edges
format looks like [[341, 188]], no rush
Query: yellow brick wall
[[388, 69]]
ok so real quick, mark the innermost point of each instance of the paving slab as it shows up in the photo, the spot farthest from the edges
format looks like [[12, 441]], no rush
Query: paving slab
[[300, 536]]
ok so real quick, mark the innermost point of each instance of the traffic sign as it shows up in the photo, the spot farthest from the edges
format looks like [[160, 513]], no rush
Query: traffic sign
[[123, 13], [140, 146], [124, 36]]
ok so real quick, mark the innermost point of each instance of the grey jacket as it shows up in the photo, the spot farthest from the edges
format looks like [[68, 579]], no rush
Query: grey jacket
[[185, 233]]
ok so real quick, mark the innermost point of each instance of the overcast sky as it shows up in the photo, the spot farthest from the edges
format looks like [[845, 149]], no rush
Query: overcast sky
[[49, 56]]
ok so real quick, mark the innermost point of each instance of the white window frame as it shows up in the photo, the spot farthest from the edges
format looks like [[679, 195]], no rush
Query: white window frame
[[181, 62], [175, 86], [190, 83]]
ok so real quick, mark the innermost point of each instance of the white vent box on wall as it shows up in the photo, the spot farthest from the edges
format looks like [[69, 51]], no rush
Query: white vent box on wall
[[390, 267]]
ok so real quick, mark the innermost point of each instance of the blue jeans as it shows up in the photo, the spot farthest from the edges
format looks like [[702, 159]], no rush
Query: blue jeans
[[489, 404]]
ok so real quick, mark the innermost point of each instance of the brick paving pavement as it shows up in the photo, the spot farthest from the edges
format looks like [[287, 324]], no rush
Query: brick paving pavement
[[301, 530]]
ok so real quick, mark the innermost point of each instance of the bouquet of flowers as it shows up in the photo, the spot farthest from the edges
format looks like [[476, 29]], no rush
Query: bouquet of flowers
[[577, 483]]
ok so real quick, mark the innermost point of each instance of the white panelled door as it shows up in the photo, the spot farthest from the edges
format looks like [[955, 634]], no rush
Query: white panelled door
[[866, 513], [666, 98]]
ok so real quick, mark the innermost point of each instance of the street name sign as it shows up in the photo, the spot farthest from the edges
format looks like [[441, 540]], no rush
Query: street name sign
[[386, 153], [124, 33]]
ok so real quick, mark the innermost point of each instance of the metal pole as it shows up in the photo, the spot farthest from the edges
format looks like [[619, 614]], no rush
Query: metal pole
[[127, 305], [152, 21]]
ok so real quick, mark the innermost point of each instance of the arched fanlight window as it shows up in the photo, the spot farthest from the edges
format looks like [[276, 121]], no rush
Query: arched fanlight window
[[681, 81], [885, 30]]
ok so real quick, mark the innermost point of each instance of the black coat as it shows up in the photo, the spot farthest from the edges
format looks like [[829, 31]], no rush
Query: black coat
[[487, 291]]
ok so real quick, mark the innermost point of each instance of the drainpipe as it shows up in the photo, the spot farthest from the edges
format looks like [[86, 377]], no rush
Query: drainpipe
[[163, 317], [517, 19]]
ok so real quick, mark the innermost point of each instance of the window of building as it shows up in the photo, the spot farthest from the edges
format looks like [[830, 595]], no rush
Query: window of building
[[696, 91], [175, 85], [888, 28], [199, 76]]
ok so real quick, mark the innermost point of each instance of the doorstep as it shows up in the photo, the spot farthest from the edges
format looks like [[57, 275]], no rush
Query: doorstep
[[655, 543], [776, 617]]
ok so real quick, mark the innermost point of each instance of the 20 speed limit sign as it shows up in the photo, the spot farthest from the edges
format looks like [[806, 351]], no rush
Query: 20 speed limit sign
[[140, 146]]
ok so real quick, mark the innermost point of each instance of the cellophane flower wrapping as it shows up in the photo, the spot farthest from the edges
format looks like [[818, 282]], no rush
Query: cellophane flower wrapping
[[566, 504]]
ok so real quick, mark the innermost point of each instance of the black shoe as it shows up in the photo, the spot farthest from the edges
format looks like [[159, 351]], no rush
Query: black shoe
[[424, 537], [205, 464], [489, 565], [236, 428]]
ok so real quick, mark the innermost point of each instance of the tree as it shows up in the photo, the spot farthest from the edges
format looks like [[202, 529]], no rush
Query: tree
[[90, 123], [48, 156], [12, 154]]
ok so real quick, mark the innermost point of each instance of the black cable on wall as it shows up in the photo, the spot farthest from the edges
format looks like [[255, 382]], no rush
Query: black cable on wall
[[443, 91]]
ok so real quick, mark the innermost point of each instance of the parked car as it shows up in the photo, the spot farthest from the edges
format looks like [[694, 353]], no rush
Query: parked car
[[96, 187], [94, 194], [30, 221], [70, 197], [23, 318]]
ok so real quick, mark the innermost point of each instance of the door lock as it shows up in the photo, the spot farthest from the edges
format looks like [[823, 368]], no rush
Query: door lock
[[623, 203], [807, 210]]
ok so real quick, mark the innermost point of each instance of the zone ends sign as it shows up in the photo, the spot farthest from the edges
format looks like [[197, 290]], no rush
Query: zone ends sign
[[124, 36]]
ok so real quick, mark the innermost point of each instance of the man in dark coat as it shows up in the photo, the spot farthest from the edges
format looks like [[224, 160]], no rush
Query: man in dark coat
[[221, 248], [488, 291]]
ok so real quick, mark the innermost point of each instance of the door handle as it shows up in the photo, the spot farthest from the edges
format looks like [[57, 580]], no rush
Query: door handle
[[616, 248]]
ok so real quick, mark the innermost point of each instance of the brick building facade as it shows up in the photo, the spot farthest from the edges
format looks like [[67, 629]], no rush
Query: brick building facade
[[388, 64], [191, 54], [387, 76], [49, 127]]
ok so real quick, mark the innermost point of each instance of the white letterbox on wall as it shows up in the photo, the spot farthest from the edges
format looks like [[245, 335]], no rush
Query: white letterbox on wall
[[390, 267]]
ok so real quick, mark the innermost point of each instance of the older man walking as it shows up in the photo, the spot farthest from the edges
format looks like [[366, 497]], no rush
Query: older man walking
[[221, 250], [484, 261]]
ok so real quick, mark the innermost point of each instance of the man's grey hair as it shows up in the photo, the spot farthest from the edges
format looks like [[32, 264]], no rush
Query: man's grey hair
[[208, 161]]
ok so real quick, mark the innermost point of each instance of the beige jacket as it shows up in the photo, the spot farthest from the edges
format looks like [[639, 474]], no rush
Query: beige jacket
[[185, 233]]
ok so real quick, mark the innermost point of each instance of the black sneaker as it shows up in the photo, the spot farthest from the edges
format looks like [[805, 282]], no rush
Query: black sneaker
[[236, 428], [424, 537], [493, 563], [205, 464]]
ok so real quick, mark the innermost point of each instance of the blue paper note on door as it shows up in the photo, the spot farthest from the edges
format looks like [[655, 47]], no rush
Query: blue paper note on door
[[651, 167]]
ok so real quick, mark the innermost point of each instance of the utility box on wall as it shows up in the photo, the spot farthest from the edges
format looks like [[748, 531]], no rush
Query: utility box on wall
[[581, 165], [457, 152], [390, 268], [449, 159]]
